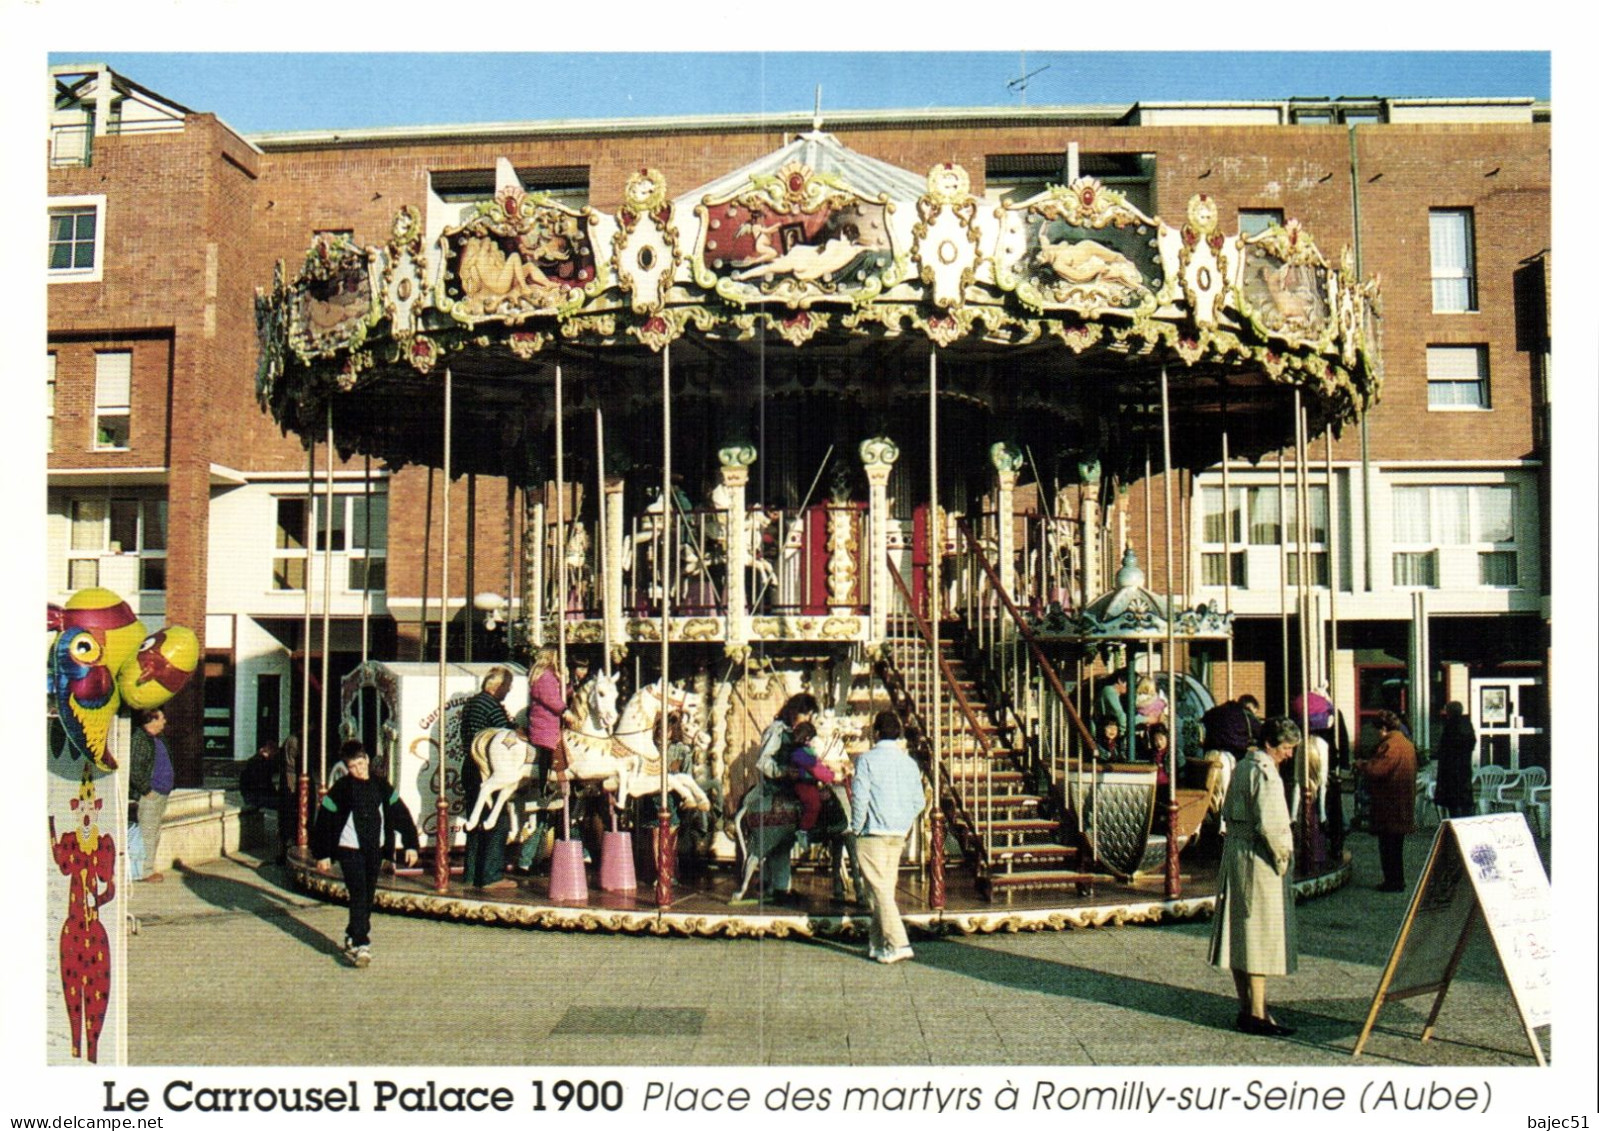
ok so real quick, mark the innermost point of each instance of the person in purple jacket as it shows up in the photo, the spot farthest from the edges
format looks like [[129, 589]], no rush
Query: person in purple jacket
[[546, 700]]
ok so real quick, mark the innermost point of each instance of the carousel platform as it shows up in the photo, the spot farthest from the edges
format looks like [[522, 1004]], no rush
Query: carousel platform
[[703, 905]]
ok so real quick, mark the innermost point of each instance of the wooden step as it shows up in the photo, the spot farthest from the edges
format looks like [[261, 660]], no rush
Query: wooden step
[[1019, 826], [1032, 854], [1020, 881], [1007, 801]]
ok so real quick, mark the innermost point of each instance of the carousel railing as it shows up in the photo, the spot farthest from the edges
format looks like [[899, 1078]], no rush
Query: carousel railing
[[1024, 683], [1045, 562], [965, 752]]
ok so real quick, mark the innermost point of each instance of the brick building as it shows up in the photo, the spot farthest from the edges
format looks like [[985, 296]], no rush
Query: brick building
[[170, 484]]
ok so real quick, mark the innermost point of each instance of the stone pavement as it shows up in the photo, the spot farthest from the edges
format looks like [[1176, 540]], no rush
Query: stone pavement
[[231, 967]]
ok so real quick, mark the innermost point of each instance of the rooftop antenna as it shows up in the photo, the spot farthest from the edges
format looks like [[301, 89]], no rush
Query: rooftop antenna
[[1019, 85], [816, 114]]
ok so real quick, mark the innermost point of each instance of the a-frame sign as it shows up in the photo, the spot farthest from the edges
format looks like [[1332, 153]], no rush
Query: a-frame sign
[[1485, 867]]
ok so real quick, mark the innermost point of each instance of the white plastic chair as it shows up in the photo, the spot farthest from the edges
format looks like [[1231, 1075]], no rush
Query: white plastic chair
[[1428, 813], [1538, 808], [1485, 782], [1508, 796]]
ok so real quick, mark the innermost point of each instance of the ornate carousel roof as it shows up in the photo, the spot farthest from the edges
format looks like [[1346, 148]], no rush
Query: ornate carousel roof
[[1070, 301]]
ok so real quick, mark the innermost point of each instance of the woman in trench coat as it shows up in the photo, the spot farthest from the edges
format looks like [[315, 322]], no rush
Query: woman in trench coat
[[1253, 931]]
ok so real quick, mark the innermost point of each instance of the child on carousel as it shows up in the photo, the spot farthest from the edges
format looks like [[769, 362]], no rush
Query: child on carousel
[[807, 773]]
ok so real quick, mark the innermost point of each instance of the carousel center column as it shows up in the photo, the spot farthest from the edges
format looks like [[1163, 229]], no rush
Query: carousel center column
[[878, 454], [735, 470]]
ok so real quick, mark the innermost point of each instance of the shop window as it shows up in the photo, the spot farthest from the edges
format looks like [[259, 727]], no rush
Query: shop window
[[1454, 276], [1457, 377], [113, 400]]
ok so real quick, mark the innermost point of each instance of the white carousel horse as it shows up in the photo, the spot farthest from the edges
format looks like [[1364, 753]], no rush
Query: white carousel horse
[[506, 760], [635, 738], [591, 751]]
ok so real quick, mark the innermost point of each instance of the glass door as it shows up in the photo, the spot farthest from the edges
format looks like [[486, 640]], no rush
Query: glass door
[[1509, 715]]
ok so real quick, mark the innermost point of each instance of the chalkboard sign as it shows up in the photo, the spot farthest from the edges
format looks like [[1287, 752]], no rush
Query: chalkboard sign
[[1485, 866]]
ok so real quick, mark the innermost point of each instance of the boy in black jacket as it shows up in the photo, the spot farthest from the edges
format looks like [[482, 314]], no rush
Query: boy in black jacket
[[354, 823]]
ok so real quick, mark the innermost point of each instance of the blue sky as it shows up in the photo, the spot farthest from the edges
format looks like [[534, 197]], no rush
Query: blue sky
[[257, 92]]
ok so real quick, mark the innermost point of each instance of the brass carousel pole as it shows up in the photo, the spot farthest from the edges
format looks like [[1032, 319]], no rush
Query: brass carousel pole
[[1227, 542], [560, 526], [601, 536], [441, 838], [936, 885], [1309, 855], [303, 786], [1173, 874], [665, 838], [1282, 564], [327, 600], [1334, 552]]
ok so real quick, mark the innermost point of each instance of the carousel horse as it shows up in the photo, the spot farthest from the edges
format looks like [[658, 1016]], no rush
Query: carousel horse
[[767, 822], [591, 749], [635, 734], [506, 760]]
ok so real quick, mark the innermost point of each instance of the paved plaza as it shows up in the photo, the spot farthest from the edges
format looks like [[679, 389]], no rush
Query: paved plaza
[[251, 967]]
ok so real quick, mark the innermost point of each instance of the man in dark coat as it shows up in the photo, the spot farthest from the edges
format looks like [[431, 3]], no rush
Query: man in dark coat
[[266, 790], [485, 847], [355, 823], [1390, 774], [1456, 742]]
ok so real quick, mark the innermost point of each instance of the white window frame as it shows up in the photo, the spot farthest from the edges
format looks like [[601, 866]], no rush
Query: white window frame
[[1453, 260], [50, 401], [101, 546], [347, 533], [1441, 374], [1261, 558], [96, 271], [113, 408], [1441, 546]]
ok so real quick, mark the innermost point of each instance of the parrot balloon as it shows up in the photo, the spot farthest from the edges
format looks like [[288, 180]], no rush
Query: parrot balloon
[[85, 693], [159, 669], [103, 656]]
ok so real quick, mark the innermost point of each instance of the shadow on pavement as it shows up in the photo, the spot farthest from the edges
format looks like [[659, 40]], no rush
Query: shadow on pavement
[[250, 899]]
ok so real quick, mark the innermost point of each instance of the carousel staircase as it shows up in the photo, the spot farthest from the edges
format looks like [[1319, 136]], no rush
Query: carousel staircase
[[1011, 832]]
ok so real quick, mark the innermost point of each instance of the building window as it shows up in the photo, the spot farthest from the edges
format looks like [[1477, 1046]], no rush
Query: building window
[[1438, 530], [76, 239], [104, 528], [49, 402], [357, 538], [1011, 178], [1250, 526], [113, 400], [288, 559], [1253, 221], [460, 191], [1454, 279], [1457, 377]]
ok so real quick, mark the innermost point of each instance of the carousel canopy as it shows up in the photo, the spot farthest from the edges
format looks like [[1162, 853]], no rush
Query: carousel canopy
[[1131, 612], [823, 268]]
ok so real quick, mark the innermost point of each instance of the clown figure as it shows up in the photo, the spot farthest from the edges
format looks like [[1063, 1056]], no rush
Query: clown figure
[[88, 858]]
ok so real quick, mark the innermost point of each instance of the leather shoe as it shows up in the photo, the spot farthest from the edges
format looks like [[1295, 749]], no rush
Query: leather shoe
[[1261, 1026]]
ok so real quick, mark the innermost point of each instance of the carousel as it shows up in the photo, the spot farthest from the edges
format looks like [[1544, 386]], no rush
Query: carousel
[[821, 426]]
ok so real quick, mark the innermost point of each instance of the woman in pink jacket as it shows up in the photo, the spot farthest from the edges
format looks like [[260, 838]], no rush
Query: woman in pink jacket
[[545, 701]]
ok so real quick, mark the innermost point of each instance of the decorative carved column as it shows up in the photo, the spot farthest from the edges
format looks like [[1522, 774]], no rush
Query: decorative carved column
[[1093, 568], [533, 572], [842, 551], [736, 459], [878, 455], [612, 533], [1007, 460]]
